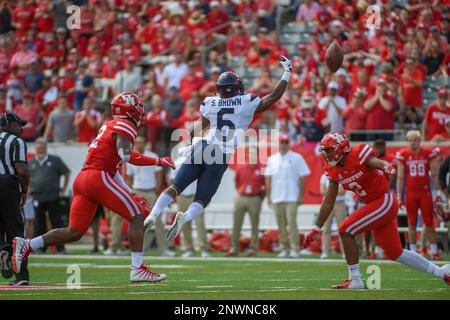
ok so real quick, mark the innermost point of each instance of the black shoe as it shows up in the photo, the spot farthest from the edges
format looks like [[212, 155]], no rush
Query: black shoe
[[5, 264], [95, 250], [18, 282]]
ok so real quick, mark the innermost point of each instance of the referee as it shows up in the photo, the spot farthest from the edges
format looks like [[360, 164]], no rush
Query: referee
[[14, 179]]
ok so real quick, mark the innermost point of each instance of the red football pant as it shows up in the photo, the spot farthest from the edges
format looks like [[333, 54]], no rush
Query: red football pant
[[380, 216], [93, 187], [419, 199]]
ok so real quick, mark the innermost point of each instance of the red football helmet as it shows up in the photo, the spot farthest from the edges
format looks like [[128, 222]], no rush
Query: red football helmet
[[128, 105], [333, 147]]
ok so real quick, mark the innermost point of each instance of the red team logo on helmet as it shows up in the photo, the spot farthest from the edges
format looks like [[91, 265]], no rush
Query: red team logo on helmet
[[127, 105], [333, 147]]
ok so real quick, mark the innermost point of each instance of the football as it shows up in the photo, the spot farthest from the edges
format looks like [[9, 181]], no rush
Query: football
[[334, 56]]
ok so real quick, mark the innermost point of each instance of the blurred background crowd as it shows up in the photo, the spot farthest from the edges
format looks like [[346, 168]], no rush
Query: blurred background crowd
[[170, 53]]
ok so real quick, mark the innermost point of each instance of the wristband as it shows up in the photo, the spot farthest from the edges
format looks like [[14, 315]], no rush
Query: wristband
[[286, 76], [317, 228]]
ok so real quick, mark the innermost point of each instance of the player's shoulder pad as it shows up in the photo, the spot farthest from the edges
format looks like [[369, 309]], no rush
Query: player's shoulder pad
[[365, 152], [124, 127]]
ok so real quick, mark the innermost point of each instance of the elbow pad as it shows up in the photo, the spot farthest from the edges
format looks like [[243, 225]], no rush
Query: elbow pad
[[123, 156]]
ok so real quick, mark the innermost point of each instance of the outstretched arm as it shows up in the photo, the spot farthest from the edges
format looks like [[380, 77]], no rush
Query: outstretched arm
[[124, 149], [279, 89]]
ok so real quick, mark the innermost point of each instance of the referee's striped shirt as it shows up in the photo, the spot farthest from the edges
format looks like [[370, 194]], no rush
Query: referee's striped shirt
[[12, 149]]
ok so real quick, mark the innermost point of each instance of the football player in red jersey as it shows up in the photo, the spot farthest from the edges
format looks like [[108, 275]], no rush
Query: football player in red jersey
[[358, 170], [414, 164], [99, 183]]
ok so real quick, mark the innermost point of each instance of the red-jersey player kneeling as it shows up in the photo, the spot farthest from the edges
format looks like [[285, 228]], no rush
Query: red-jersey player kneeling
[[358, 170], [414, 165], [99, 183]]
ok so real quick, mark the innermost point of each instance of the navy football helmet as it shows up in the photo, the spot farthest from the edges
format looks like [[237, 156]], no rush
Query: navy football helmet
[[229, 84]]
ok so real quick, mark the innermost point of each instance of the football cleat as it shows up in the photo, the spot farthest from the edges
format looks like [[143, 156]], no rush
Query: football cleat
[[21, 250], [143, 274], [350, 284], [188, 254], [176, 227], [446, 269]]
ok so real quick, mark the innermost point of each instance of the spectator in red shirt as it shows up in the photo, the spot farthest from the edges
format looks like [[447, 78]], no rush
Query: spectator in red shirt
[[355, 116], [217, 17], [380, 112], [50, 57], [435, 116], [307, 58], [31, 112], [23, 17], [238, 43], [311, 121], [250, 185], [411, 84], [191, 82], [88, 121], [158, 126], [189, 116]]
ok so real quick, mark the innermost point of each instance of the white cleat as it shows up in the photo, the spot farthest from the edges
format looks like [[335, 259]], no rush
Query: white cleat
[[293, 255], [188, 254], [149, 221], [283, 254], [350, 284], [21, 250], [176, 227], [143, 274], [204, 254]]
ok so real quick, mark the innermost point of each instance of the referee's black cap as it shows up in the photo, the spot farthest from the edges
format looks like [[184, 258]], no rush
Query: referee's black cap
[[10, 117]]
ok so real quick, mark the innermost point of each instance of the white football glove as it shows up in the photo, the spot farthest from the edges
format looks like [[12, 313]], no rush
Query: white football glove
[[286, 63]]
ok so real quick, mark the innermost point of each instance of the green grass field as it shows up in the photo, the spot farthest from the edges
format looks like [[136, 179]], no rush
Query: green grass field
[[219, 278]]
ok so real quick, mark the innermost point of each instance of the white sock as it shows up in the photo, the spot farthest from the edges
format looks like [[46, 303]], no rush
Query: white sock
[[433, 247], [416, 261], [136, 259], [353, 272], [37, 243], [163, 201], [195, 209], [412, 247]]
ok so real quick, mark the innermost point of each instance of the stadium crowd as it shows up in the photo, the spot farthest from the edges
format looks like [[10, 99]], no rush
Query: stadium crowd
[[61, 80]]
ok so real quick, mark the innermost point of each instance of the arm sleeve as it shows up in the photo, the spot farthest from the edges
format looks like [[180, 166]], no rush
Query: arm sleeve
[[138, 159], [443, 172], [19, 151], [119, 179]]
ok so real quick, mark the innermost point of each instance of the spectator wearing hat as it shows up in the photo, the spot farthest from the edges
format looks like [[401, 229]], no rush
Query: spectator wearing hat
[[60, 122], [354, 116], [191, 82], [238, 43], [286, 174], [411, 84], [250, 186], [217, 17], [33, 78], [307, 11], [174, 71], [437, 113], [84, 83], [35, 117], [88, 121], [344, 87], [333, 104], [129, 79], [173, 104], [433, 59], [435, 36], [380, 112], [312, 122]]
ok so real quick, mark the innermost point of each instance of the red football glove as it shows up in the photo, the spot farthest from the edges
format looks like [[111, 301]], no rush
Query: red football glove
[[389, 169], [165, 162], [143, 204], [310, 237]]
